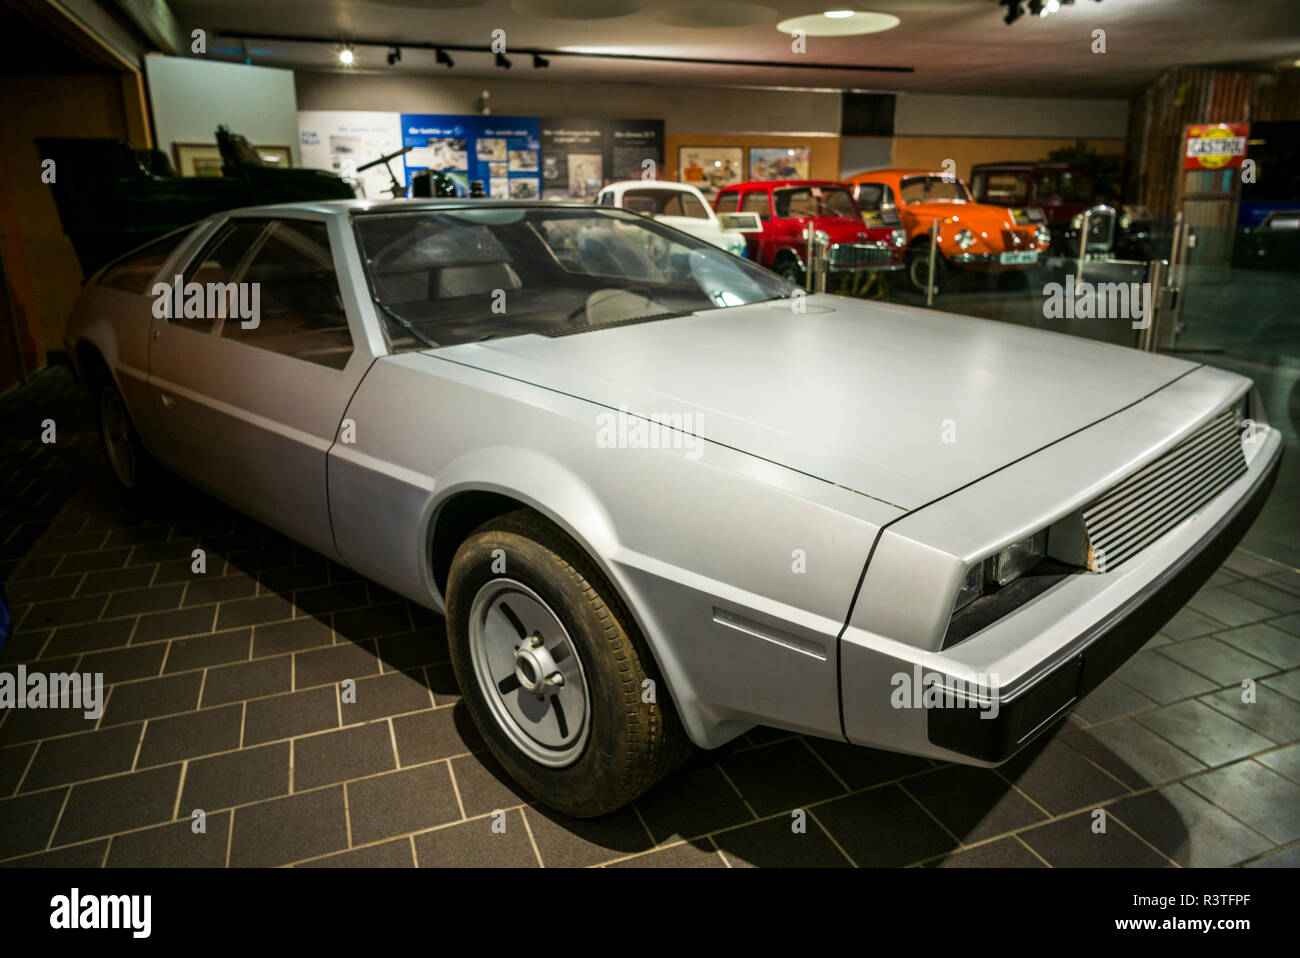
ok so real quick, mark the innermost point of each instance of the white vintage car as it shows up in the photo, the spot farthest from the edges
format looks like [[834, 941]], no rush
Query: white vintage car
[[660, 494], [679, 205]]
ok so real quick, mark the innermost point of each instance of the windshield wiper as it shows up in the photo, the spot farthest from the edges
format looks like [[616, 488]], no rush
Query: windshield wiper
[[406, 325]]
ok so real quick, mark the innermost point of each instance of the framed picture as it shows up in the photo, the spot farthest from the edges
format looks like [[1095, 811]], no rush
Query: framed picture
[[279, 157], [204, 159], [197, 159], [710, 168], [779, 162]]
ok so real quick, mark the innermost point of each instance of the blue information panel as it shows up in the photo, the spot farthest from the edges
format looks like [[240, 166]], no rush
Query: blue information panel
[[502, 152]]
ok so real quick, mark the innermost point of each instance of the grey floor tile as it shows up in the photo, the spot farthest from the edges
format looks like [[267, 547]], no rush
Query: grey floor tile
[[14, 760], [1228, 607], [291, 715], [691, 802], [401, 802], [1287, 581], [1250, 565], [1289, 624], [247, 680], [380, 696], [1217, 660], [157, 626], [1004, 853], [685, 855], [478, 844], [1072, 843], [1257, 590], [115, 804], [294, 635], [972, 803], [484, 785], [1188, 623], [1133, 754], [1288, 683], [1060, 778], [1188, 829], [241, 612], [565, 842], [773, 844], [329, 757], [334, 664], [1204, 733], [285, 830], [881, 828], [1285, 761], [1265, 642], [90, 637], [191, 735], [394, 854], [201, 652], [1271, 713], [236, 778], [85, 855], [780, 776], [861, 767], [27, 821], [75, 758], [1258, 796], [1111, 700], [435, 734], [1161, 678], [175, 845], [1286, 858], [125, 665], [152, 698]]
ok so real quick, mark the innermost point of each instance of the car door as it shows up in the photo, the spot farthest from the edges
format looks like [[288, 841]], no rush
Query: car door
[[252, 403], [760, 202]]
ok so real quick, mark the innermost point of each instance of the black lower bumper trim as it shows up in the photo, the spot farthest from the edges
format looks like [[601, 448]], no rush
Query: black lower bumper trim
[[1102, 650]]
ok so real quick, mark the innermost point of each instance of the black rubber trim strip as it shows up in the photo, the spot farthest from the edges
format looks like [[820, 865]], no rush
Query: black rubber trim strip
[[839, 639]]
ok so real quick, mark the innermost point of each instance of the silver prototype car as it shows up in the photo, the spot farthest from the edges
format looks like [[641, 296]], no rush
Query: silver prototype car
[[661, 495]]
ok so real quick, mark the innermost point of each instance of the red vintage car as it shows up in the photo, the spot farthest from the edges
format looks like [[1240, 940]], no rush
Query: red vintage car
[[855, 243]]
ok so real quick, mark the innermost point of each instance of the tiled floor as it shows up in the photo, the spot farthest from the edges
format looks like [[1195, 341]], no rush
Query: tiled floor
[[224, 696]]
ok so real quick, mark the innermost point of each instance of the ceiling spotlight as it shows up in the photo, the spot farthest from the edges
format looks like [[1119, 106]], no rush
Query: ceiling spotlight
[[1014, 11], [394, 55], [838, 14], [441, 57], [502, 61], [1053, 5], [346, 57], [540, 62]]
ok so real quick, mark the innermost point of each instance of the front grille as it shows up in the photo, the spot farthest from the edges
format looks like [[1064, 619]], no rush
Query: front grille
[[858, 254], [1131, 515], [1016, 239]]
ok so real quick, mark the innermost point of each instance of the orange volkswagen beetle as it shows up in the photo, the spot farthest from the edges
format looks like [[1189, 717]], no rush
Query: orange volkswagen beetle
[[974, 236]]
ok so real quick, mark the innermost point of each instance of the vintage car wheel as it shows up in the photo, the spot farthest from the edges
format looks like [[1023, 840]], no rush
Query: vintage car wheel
[[554, 671], [918, 269], [133, 470]]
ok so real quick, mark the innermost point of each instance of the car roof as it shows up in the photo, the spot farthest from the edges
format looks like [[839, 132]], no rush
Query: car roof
[[777, 184]]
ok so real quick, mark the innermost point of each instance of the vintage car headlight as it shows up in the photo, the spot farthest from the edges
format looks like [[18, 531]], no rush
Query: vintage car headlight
[[1001, 568], [1042, 235], [737, 246], [898, 237], [965, 239], [1076, 223]]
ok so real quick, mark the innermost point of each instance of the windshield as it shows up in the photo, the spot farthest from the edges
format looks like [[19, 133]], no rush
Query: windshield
[[443, 277], [1063, 187], [815, 201], [933, 189]]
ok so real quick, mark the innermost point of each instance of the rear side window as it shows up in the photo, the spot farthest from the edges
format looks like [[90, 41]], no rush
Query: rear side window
[[757, 203], [728, 203], [135, 271], [219, 263], [300, 310]]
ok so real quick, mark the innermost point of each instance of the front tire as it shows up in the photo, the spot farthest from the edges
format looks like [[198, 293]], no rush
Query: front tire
[[554, 671], [918, 269], [134, 471]]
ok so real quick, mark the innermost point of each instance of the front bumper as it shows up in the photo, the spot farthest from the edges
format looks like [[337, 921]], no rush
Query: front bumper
[[992, 261], [968, 729]]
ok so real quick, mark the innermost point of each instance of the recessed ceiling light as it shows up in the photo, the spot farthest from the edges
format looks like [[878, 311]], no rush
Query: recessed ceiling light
[[345, 57], [839, 23]]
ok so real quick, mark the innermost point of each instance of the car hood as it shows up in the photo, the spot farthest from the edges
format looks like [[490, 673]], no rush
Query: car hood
[[984, 215], [898, 403]]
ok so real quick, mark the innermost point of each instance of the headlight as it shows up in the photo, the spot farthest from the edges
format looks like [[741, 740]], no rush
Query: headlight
[[1015, 559], [1077, 222], [737, 246], [1042, 235], [1001, 568], [898, 237], [965, 239], [821, 236]]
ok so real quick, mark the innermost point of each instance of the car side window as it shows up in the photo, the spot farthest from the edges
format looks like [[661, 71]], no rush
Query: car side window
[[870, 195], [757, 203], [728, 203], [134, 271], [215, 268], [298, 310], [607, 199]]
